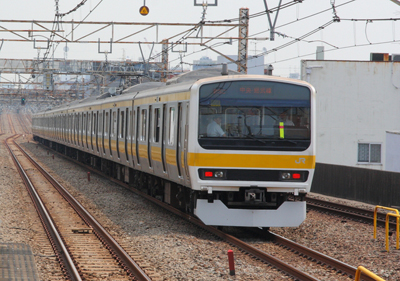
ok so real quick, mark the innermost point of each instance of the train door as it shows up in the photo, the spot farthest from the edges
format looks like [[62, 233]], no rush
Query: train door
[[70, 128], [128, 138], [100, 133], [104, 132], [149, 138], [113, 135], [121, 134], [73, 129], [184, 141], [171, 148], [126, 135], [87, 118], [90, 133], [132, 135], [83, 122], [95, 131], [163, 138], [156, 140], [143, 138], [110, 120], [137, 137], [181, 146], [77, 129], [118, 135]]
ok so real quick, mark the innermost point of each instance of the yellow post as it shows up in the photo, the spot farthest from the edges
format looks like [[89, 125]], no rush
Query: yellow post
[[387, 229], [366, 272], [375, 215]]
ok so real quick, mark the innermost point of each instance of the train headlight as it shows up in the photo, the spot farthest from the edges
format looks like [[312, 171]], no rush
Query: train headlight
[[293, 176], [285, 176], [212, 174]]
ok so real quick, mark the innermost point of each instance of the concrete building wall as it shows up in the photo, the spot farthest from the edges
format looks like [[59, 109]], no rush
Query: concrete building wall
[[357, 102]]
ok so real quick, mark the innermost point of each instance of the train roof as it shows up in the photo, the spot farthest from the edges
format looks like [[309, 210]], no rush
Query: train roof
[[182, 82], [195, 75]]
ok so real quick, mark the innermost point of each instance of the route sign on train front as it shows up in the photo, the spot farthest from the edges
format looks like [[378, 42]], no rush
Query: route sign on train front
[[144, 10]]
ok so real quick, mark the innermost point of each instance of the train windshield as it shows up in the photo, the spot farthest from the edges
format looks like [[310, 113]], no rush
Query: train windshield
[[254, 115]]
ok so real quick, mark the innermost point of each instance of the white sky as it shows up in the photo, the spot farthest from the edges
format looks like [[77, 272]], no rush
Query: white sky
[[355, 40]]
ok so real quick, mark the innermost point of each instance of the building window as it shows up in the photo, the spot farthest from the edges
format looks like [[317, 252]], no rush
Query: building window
[[369, 153]]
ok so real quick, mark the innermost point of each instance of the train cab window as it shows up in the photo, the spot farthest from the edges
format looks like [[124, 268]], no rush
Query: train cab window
[[157, 125], [143, 123], [171, 124], [254, 115]]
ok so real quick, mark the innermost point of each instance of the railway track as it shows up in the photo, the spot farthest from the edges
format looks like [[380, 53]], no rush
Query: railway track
[[319, 259], [11, 125], [86, 251], [354, 213]]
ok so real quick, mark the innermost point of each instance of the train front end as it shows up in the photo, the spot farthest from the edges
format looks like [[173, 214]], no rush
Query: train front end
[[251, 152]]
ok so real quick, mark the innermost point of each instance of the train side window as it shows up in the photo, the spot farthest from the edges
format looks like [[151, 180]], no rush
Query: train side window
[[143, 120], [171, 129], [157, 125]]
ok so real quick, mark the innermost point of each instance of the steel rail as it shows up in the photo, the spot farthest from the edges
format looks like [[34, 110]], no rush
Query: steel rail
[[11, 125], [258, 254], [68, 267], [337, 265], [351, 212], [132, 268]]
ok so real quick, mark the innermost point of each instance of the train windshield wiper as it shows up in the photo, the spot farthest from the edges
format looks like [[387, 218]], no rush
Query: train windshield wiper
[[270, 140], [254, 138]]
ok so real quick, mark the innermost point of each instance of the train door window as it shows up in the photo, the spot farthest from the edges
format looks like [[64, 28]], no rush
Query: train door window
[[106, 125], [171, 124], [114, 124], [74, 128], [143, 125], [78, 116], [109, 132], [157, 125], [117, 134], [179, 140], [163, 137], [88, 128], [122, 124], [132, 128], [82, 127], [105, 128], [99, 128], [94, 130], [149, 136], [126, 134], [70, 128], [137, 133]]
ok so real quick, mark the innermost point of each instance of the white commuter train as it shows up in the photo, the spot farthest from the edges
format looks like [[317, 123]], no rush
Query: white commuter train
[[154, 137]]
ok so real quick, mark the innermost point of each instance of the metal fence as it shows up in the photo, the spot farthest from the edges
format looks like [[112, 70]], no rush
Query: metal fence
[[364, 185]]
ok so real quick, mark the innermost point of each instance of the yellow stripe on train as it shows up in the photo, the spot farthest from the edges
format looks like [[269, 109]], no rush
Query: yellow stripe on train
[[251, 161]]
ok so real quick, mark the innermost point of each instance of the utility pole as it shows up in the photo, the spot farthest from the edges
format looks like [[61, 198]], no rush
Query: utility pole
[[243, 39]]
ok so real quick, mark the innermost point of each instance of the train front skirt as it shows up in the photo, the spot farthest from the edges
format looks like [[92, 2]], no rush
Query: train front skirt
[[289, 214]]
